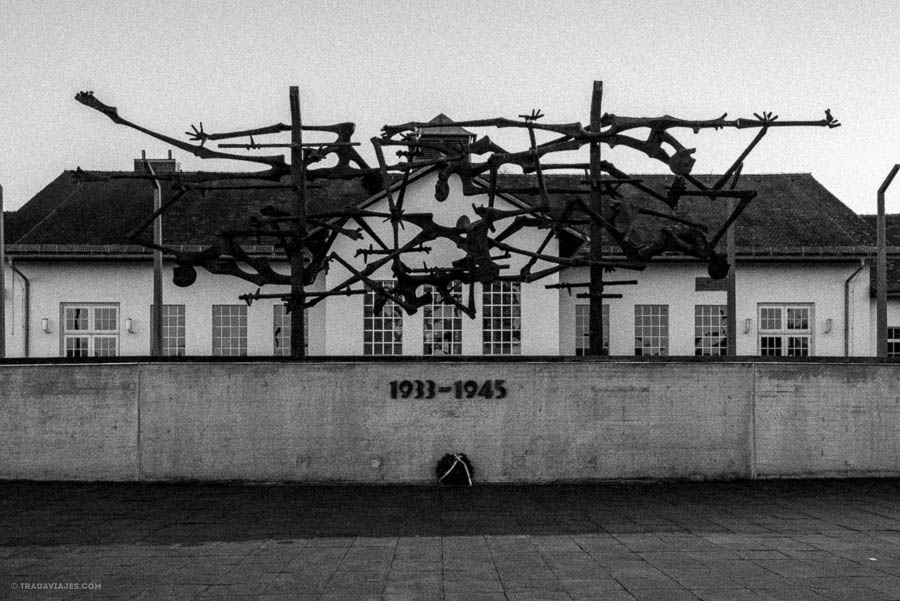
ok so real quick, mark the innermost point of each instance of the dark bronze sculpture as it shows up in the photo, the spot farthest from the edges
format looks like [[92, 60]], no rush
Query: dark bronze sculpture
[[482, 242]]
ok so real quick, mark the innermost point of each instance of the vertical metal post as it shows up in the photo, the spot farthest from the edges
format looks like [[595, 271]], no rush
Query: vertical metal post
[[156, 325], [881, 269], [298, 210], [2, 279], [595, 310], [731, 287]]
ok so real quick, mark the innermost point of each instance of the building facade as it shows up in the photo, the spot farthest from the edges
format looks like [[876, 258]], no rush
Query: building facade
[[73, 288]]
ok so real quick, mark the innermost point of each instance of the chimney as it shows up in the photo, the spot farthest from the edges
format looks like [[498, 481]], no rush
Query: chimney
[[159, 165]]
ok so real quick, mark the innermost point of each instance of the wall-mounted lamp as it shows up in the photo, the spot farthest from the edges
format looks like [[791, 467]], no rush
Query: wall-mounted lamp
[[45, 325], [828, 325], [747, 323], [129, 325]]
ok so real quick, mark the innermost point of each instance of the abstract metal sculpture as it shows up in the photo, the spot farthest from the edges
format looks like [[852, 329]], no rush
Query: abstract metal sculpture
[[306, 238]]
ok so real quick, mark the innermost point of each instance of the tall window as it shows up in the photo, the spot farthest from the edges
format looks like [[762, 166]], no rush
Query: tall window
[[710, 330], [893, 341], [173, 330], [282, 331], [90, 330], [229, 330], [443, 324], [502, 318], [583, 329], [382, 324], [785, 330], [651, 330]]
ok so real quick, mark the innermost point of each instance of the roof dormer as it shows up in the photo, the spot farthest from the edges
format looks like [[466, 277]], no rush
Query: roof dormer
[[443, 130]]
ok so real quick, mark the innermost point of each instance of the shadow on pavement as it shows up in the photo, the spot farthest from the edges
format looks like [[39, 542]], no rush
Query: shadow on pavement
[[51, 514]]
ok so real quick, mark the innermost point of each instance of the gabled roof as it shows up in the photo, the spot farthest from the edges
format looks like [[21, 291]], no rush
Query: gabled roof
[[793, 215], [790, 211], [67, 212]]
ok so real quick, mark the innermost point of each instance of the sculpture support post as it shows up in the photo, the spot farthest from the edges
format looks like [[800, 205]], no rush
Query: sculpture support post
[[595, 310], [2, 280], [298, 210], [156, 325], [731, 285], [881, 270]]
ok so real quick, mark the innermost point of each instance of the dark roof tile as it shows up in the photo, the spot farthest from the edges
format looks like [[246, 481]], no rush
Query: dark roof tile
[[791, 210], [104, 212]]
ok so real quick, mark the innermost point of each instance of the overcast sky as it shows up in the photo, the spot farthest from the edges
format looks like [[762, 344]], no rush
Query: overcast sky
[[229, 64]]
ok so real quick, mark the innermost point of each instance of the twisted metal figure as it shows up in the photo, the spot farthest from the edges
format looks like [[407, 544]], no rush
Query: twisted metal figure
[[307, 238]]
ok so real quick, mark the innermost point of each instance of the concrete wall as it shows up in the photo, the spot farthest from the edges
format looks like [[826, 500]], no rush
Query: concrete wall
[[336, 421], [70, 422]]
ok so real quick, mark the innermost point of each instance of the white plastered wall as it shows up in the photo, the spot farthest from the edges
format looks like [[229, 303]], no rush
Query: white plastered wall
[[130, 285], [673, 284]]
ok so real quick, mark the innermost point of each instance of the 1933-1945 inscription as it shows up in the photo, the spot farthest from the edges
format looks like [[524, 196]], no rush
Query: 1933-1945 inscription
[[461, 389]]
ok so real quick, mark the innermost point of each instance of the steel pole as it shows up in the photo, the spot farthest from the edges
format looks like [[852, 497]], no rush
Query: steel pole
[[298, 240], [156, 321], [595, 308], [731, 284], [881, 269], [2, 279]]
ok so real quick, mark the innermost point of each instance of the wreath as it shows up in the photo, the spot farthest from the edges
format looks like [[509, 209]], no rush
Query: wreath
[[455, 470]]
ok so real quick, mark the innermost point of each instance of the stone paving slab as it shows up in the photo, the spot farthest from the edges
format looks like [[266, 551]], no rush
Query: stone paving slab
[[803, 540]]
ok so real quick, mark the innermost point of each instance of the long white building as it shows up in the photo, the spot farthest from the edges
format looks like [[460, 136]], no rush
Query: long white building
[[73, 288]]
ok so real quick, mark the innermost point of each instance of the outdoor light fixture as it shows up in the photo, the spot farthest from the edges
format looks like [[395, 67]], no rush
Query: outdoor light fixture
[[45, 325], [129, 325], [747, 323], [828, 324]]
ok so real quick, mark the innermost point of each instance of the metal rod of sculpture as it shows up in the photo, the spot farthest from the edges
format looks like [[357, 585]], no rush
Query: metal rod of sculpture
[[2, 280], [881, 268], [603, 219], [606, 213]]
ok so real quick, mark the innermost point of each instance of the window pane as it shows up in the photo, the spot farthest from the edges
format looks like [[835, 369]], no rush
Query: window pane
[[105, 346], [382, 318], [770, 318], [798, 346], [785, 330], [106, 318], [281, 321], [797, 318], [710, 330], [173, 330], [76, 346], [651, 330], [442, 324], [229, 330], [583, 329], [76, 318], [893, 340], [501, 323], [770, 345], [96, 326]]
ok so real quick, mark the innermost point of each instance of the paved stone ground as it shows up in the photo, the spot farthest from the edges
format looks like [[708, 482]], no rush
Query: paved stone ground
[[786, 540]]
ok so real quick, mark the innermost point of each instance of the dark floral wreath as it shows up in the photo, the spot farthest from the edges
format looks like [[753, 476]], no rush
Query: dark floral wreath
[[455, 470]]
